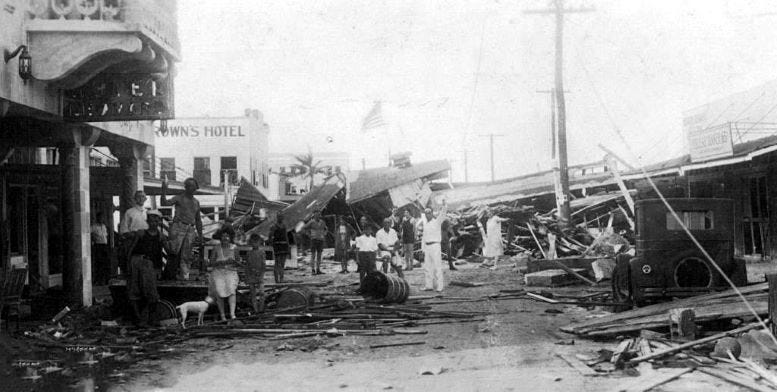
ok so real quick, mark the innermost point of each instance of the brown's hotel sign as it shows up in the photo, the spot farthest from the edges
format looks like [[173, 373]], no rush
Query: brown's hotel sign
[[208, 131]]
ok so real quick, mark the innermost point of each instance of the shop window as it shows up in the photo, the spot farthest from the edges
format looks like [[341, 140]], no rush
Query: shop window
[[167, 168]]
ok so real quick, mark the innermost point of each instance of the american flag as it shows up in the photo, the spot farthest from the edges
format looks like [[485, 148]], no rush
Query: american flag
[[373, 119]]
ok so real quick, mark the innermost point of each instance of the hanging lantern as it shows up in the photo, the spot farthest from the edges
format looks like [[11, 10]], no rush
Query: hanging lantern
[[25, 65]]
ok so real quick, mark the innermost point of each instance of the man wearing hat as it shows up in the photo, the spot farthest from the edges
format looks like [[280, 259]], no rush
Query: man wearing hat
[[431, 224], [145, 256]]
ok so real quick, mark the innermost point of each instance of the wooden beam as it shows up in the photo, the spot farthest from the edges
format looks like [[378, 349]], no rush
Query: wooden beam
[[694, 343]]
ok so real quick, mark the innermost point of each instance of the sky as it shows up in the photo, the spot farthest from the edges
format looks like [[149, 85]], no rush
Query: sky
[[449, 72]]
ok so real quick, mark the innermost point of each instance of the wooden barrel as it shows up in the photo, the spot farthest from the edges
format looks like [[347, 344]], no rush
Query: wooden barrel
[[386, 288], [297, 297]]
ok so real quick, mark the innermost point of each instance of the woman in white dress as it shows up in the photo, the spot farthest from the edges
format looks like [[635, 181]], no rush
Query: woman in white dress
[[223, 277], [492, 237]]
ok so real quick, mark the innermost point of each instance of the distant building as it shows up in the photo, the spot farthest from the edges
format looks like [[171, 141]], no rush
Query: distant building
[[288, 183], [216, 151]]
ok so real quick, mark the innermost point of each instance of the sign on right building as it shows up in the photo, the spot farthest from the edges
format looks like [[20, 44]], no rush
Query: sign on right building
[[710, 143], [712, 129]]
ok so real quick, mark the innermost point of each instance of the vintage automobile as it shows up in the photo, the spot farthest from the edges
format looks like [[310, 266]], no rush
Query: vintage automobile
[[667, 263]]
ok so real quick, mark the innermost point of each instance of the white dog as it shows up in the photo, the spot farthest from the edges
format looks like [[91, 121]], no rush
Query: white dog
[[199, 307]]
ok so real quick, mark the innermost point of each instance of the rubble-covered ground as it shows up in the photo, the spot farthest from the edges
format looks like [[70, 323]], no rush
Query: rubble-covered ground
[[515, 345]]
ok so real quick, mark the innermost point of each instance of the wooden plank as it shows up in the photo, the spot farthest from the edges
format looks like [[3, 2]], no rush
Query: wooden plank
[[573, 272], [651, 381], [622, 348], [736, 380], [662, 308], [579, 365], [694, 343], [536, 265]]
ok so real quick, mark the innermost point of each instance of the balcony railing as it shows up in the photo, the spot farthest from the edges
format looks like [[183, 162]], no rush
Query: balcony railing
[[156, 19], [77, 9]]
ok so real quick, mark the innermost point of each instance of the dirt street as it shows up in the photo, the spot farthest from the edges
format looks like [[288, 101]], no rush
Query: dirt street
[[515, 348]]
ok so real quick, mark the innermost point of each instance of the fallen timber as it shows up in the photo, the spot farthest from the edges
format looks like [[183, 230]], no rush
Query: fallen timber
[[709, 307]]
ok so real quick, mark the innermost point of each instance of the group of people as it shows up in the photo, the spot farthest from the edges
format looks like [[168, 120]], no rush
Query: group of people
[[142, 245], [393, 245]]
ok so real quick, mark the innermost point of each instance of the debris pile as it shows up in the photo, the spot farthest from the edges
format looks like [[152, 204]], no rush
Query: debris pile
[[527, 231], [740, 356], [724, 305]]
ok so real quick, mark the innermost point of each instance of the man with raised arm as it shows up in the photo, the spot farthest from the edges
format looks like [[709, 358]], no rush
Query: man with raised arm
[[186, 227], [431, 225]]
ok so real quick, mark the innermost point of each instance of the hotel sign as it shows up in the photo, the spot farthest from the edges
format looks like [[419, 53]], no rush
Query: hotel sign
[[710, 143]]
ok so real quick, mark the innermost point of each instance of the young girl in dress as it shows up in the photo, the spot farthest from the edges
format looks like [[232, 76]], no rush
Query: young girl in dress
[[223, 277]]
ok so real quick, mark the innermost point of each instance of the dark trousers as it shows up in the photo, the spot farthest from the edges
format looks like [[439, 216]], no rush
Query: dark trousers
[[280, 264], [366, 265], [316, 249], [101, 264]]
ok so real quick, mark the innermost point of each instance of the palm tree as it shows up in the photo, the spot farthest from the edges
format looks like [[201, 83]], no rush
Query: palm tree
[[308, 167]]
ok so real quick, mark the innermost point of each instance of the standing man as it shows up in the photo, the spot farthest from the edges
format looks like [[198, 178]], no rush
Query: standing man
[[407, 228], [186, 227], [279, 237], [101, 261], [387, 244], [343, 233], [254, 271], [145, 254], [318, 231], [430, 240], [367, 247], [446, 235], [134, 219]]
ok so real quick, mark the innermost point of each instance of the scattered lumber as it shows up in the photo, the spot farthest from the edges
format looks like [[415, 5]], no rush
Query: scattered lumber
[[735, 379], [694, 343], [708, 307]]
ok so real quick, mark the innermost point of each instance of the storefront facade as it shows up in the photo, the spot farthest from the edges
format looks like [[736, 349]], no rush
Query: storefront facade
[[85, 75]]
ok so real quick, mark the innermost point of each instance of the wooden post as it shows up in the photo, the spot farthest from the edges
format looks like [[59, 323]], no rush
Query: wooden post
[[772, 279], [682, 324]]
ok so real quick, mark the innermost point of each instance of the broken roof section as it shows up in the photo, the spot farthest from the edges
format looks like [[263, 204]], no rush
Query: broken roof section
[[530, 185], [745, 151], [303, 209], [249, 200], [371, 182]]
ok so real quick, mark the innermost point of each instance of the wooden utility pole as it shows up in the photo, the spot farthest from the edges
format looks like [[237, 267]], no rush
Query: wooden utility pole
[[491, 139], [558, 10], [466, 169]]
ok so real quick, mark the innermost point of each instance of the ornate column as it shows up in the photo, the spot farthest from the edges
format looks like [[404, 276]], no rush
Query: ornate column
[[132, 178], [77, 266]]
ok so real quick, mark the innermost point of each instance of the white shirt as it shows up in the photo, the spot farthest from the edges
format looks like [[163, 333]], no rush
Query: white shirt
[[366, 244], [134, 220], [387, 239], [432, 229]]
